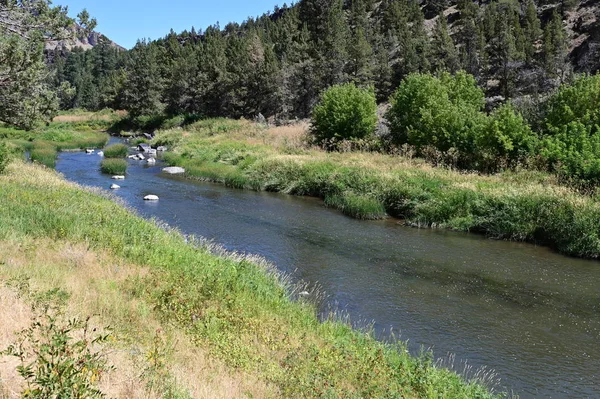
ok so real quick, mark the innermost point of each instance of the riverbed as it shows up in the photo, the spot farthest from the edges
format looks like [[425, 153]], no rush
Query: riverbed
[[525, 314]]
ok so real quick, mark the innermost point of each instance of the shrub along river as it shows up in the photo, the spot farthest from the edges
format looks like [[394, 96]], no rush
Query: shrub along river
[[529, 314]]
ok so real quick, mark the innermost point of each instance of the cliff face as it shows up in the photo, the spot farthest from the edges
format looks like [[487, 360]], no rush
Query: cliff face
[[583, 26], [84, 41]]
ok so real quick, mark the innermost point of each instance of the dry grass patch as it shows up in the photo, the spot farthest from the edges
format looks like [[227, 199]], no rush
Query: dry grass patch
[[95, 282]]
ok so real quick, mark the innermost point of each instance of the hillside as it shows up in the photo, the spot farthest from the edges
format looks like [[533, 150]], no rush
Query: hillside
[[84, 41]]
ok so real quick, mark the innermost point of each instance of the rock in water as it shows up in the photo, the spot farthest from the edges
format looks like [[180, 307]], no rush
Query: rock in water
[[173, 170], [114, 186], [141, 157], [88, 151], [118, 177], [151, 198], [100, 153], [151, 161]]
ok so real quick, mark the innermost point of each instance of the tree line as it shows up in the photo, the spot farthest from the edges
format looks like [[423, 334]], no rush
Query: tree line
[[279, 63]]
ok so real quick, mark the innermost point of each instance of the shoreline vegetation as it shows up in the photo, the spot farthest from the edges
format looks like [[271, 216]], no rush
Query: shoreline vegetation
[[521, 205], [174, 304]]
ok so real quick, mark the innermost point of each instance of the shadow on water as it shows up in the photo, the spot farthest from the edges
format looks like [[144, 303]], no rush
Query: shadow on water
[[525, 312]]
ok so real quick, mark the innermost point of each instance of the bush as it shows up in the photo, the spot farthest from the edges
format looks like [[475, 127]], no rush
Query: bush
[[115, 151], [444, 112], [113, 166], [506, 137], [60, 359], [574, 152], [577, 102], [344, 112], [4, 156]]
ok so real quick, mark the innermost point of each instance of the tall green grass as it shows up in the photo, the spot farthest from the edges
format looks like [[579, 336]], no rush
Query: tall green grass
[[115, 151], [238, 308], [43, 152], [113, 166], [520, 206], [44, 144]]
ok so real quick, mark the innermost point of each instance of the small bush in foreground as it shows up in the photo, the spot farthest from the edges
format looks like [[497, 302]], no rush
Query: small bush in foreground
[[58, 360], [115, 151], [344, 112], [113, 166]]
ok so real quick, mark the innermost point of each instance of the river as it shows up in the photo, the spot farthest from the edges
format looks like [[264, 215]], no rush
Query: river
[[529, 314]]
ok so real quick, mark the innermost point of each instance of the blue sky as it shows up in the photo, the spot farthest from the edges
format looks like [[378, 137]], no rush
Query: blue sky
[[125, 21]]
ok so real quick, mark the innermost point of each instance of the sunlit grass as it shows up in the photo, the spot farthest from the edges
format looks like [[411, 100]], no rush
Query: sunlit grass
[[113, 166], [517, 205], [237, 309]]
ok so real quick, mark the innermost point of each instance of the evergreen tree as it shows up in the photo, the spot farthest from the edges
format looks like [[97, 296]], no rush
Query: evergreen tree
[[360, 59], [470, 37], [25, 92], [143, 87], [532, 30], [443, 53], [555, 46]]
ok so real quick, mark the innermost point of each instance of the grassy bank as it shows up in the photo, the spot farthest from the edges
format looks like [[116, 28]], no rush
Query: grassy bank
[[520, 206], [45, 142], [163, 295]]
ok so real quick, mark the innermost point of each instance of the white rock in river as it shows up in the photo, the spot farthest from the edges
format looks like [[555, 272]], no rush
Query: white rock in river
[[132, 156], [88, 151], [141, 157], [118, 177], [173, 170], [151, 161], [151, 198], [114, 186], [100, 153]]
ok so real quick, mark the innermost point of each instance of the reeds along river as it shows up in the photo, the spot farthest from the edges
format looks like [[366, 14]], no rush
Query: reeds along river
[[530, 315]]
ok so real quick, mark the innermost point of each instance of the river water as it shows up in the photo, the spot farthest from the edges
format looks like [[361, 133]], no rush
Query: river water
[[529, 314]]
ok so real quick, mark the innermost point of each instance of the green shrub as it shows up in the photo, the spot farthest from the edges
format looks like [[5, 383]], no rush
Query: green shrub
[[173, 122], [574, 152], [506, 137], [577, 102], [113, 166], [115, 151], [344, 112], [4, 156], [60, 359], [444, 112]]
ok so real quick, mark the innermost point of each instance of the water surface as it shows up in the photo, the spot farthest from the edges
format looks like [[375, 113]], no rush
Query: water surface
[[531, 315]]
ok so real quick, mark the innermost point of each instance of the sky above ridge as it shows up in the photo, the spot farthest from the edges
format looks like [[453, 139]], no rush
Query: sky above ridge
[[126, 21]]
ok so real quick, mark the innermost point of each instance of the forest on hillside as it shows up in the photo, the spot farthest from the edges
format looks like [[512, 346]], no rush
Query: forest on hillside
[[279, 63], [475, 85]]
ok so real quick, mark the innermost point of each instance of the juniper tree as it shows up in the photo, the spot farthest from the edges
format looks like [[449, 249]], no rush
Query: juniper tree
[[25, 92]]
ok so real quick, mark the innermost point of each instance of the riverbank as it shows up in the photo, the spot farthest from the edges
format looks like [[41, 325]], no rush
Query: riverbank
[[162, 294], [520, 206]]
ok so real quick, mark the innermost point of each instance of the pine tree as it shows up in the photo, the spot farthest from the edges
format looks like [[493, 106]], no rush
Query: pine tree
[[532, 31], [443, 53], [555, 46], [360, 54], [334, 46], [143, 86], [470, 36]]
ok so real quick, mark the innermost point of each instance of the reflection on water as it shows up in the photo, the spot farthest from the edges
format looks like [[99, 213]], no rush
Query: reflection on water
[[530, 314]]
